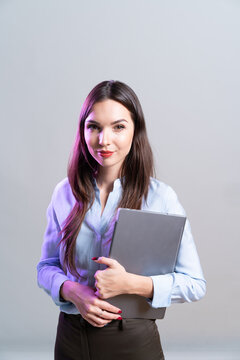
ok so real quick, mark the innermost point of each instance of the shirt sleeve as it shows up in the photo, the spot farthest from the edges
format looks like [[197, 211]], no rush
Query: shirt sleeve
[[50, 275], [186, 283]]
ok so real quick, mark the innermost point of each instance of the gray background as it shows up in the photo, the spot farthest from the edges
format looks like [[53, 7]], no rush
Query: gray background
[[182, 59]]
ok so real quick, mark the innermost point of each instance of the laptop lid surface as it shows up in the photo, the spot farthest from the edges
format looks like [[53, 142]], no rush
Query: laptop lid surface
[[145, 243]]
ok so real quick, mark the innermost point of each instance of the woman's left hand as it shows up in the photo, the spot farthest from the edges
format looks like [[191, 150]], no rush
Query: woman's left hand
[[112, 281]]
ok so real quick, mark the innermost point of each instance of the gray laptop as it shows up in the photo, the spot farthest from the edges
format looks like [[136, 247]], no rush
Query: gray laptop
[[145, 243]]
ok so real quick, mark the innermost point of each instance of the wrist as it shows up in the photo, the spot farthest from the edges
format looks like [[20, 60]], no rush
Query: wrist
[[140, 285], [74, 292], [66, 292]]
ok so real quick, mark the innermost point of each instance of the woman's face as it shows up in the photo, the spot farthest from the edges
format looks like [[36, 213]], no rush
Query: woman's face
[[108, 133]]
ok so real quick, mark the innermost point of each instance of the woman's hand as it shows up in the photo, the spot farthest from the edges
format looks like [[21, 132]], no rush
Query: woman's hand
[[115, 280], [111, 281], [96, 311]]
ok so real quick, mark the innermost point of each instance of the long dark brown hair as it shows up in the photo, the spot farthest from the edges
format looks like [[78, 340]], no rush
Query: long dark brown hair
[[135, 173]]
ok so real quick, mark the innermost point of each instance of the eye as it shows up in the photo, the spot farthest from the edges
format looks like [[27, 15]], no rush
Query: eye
[[119, 127], [92, 127]]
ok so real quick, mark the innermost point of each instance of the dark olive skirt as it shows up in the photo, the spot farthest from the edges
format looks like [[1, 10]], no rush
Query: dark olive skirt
[[127, 339]]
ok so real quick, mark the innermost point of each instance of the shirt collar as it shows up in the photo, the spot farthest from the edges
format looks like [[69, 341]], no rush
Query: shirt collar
[[116, 185]]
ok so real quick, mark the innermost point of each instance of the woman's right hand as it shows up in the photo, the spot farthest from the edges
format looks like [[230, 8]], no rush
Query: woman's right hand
[[96, 311]]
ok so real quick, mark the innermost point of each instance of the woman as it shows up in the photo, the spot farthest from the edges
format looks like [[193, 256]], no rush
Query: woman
[[111, 166]]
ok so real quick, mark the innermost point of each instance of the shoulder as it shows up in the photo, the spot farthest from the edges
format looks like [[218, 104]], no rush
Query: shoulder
[[164, 194], [158, 186], [63, 199], [62, 186]]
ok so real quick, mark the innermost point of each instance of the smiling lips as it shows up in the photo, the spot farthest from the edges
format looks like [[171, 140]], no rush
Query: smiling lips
[[105, 154]]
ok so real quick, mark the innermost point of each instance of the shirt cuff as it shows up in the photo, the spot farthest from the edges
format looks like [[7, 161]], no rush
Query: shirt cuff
[[162, 290], [55, 293]]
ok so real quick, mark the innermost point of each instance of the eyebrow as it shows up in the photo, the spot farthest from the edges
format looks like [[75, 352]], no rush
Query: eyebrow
[[113, 123]]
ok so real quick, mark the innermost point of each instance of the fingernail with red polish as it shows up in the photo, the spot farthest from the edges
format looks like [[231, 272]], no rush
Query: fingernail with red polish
[[120, 311], [119, 318], [94, 258]]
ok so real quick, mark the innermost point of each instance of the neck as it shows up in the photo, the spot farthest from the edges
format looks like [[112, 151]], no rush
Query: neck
[[106, 177]]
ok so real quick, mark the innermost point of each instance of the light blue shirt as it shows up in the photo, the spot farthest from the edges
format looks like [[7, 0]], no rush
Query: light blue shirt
[[186, 283]]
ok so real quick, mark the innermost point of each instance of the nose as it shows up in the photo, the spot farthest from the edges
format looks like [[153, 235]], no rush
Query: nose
[[104, 137]]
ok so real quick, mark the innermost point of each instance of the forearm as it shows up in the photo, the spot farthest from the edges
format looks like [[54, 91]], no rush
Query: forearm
[[71, 291], [187, 289], [176, 288], [139, 285]]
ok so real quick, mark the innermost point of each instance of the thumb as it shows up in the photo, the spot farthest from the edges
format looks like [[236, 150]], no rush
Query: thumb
[[104, 260]]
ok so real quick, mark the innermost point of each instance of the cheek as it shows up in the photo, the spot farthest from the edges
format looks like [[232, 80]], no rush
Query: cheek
[[125, 141], [89, 139]]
